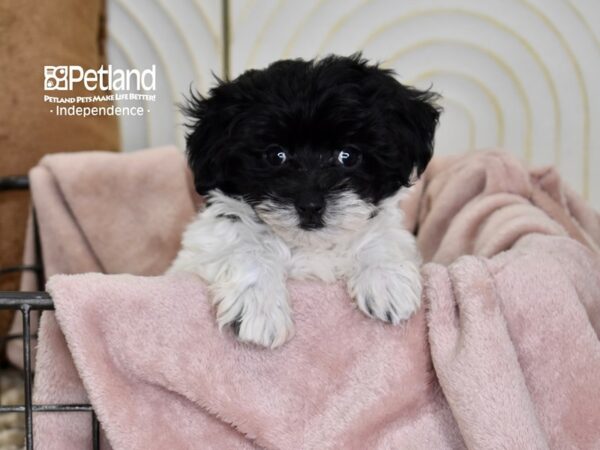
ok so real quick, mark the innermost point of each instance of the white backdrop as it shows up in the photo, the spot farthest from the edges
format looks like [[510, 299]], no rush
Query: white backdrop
[[521, 74]]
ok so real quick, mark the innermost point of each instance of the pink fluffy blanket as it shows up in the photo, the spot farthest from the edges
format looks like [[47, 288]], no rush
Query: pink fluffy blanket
[[504, 354]]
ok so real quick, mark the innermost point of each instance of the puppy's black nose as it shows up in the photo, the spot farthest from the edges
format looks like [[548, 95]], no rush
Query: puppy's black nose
[[312, 208], [310, 211]]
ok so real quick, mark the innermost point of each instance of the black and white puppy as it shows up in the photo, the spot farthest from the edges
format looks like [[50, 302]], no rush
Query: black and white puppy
[[303, 164]]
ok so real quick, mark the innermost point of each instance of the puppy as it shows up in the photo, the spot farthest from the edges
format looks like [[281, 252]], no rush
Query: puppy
[[302, 165]]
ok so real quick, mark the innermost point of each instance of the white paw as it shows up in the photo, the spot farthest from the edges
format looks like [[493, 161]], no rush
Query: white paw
[[390, 293], [257, 314]]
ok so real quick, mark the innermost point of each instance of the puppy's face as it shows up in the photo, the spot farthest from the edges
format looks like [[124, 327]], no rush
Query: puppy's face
[[313, 146]]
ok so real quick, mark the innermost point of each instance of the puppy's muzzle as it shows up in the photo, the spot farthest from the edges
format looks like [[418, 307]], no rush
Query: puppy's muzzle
[[310, 213]]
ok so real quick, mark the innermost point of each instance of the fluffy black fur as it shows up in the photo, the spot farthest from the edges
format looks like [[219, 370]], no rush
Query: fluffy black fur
[[311, 110]]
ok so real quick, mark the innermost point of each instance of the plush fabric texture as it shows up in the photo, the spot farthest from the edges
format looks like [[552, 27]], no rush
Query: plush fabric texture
[[505, 352], [93, 215], [33, 34]]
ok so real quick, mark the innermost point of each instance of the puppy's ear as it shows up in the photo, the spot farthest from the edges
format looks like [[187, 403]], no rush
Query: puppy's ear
[[211, 120], [422, 115]]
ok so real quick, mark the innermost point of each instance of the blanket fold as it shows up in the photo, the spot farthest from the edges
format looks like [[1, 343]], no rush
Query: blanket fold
[[93, 215], [476, 362], [504, 353]]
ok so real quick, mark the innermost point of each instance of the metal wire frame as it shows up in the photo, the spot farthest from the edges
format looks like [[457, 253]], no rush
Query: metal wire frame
[[26, 302]]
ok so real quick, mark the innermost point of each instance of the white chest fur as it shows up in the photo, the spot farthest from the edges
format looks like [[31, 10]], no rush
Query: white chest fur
[[229, 228]]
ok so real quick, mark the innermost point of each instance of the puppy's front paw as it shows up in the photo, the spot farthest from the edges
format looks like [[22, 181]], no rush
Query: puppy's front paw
[[389, 293], [257, 315]]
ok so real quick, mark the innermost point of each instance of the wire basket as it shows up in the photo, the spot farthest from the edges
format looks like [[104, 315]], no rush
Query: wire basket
[[26, 302]]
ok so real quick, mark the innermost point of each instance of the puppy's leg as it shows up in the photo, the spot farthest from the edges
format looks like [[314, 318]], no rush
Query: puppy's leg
[[385, 282], [250, 295], [245, 269]]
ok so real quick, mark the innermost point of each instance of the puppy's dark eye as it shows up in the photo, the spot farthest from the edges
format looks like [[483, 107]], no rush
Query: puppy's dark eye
[[276, 156], [348, 157]]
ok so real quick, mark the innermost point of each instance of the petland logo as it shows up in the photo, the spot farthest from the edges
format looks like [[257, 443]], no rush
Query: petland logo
[[109, 91], [63, 78]]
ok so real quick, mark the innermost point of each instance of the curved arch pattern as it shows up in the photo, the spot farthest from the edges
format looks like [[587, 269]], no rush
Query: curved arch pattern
[[183, 39], [520, 74]]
